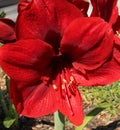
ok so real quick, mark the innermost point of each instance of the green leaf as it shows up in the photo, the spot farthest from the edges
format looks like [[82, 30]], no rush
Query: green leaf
[[105, 105], [1, 44], [8, 122], [11, 118], [2, 14], [89, 117]]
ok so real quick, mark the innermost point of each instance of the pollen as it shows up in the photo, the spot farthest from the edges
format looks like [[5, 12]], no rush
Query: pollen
[[118, 34], [54, 87], [64, 80], [63, 86], [71, 78], [71, 81]]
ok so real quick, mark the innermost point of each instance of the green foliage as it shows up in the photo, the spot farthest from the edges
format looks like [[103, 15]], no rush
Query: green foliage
[[104, 96], [8, 122], [11, 116], [2, 14]]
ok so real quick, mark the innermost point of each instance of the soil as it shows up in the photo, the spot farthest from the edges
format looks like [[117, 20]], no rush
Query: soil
[[46, 123]]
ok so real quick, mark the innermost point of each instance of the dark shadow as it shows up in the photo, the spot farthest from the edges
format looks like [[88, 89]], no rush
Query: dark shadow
[[46, 122], [26, 123], [111, 126]]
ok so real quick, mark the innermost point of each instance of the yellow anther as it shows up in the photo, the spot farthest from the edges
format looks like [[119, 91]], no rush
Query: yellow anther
[[118, 34], [54, 86], [71, 78], [63, 86], [64, 80]]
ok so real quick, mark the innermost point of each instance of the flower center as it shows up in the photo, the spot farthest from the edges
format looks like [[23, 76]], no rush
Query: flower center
[[53, 38], [62, 80], [61, 66]]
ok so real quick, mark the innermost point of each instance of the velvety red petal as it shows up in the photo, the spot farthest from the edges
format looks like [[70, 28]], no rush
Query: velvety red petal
[[71, 107], [114, 16], [85, 42], [8, 22], [26, 60], [81, 4], [116, 26], [106, 9], [117, 39], [33, 101], [39, 17], [116, 53], [107, 73], [23, 4], [7, 32]]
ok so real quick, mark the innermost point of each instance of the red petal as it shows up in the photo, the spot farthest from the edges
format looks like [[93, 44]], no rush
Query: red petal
[[40, 16], [33, 101], [116, 53], [81, 4], [23, 5], [7, 33], [87, 47], [117, 39], [106, 9], [107, 73], [116, 26], [71, 106], [26, 60], [114, 16]]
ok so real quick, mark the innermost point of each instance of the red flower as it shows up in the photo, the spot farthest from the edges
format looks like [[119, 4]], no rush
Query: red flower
[[108, 10], [7, 32], [57, 50]]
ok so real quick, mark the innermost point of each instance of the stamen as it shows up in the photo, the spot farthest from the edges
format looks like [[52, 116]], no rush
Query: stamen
[[71, 78], [64, 80], [118, 34], [54, 87], [63, 86]]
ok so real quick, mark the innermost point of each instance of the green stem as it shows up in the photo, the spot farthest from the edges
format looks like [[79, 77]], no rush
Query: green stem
[[59, 120], [89, 117], [3, 103]]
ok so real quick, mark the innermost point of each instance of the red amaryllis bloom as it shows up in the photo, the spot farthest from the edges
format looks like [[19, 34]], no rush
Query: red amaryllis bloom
[[7, 32], [56, 51], [108, 10]]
